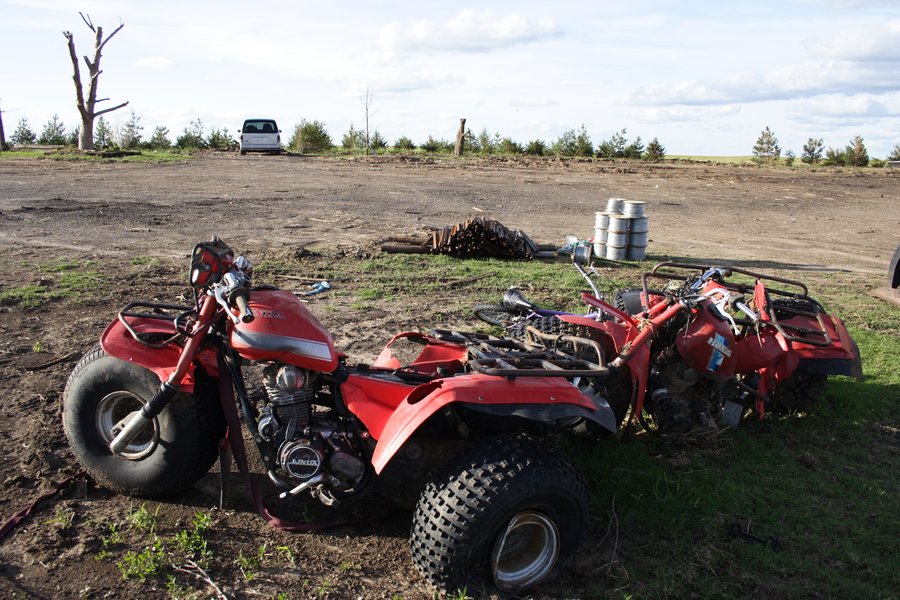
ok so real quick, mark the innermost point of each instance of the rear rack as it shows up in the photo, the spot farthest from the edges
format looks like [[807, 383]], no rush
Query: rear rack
[[538, 355], [170, 329], [791, 331], [669, 270]]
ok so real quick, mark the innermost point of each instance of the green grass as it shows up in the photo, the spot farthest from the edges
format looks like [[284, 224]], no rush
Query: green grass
[[59, 280], [145, 156], [714, 159]]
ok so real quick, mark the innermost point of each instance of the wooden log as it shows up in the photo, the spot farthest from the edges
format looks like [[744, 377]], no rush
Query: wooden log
[[404, 249]]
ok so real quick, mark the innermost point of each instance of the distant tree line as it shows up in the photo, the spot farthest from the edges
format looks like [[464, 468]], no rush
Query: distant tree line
[[768, 150], [311, 137]]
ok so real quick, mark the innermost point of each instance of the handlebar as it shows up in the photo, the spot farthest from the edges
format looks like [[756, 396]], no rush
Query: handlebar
[[232, 292], [239, 298]]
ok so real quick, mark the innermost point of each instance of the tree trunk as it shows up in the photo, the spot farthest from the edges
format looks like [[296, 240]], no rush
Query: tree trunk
[[86, 135], [460, 139], [3, 145]]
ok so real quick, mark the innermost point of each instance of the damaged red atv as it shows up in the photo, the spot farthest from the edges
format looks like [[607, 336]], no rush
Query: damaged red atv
[[714, 344], [458, 429]]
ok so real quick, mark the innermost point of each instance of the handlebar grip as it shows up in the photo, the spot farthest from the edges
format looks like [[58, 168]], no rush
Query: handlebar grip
[[240, 301]]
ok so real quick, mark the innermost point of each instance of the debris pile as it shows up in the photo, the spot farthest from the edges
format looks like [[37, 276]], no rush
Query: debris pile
[[477, 237]]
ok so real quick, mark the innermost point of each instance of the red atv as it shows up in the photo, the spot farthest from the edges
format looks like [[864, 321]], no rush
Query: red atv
[[459, 430], [714, 343]]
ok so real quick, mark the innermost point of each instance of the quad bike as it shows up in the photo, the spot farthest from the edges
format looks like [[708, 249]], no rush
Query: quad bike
[[705, 349], [461, 430]]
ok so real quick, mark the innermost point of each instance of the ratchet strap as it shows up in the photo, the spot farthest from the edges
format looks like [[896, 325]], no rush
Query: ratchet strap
[[235, 442], [26, 512]]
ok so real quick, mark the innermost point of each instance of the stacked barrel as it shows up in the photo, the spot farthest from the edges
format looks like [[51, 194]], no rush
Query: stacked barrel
[[620, 232]]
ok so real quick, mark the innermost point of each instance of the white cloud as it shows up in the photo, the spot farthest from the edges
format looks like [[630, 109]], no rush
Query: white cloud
[[468, 31], [876, 42], [689, 113], [154, 62], [810, 78], [533, 102]]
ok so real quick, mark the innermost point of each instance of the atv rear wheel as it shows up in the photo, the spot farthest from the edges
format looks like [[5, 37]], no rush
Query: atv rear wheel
[[169, 455], [493, 314], [798, 392], [506, 513]]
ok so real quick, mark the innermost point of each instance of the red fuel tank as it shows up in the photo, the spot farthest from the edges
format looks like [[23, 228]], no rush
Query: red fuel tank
[[284, 330], [707, 344]]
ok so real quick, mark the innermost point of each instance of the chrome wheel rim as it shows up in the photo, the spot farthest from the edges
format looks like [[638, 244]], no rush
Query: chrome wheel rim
[[113, 412], [525, 552]]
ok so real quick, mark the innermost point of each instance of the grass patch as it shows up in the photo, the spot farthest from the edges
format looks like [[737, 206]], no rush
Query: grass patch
[[145, 156], [62, 280]]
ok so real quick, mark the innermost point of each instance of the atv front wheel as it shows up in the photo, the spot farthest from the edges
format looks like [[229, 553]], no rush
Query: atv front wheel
[[169, 455], [505, 514]]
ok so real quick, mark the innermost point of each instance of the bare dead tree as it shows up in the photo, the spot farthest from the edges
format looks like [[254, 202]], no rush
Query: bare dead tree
[[460, 139], [3, 145], [86, 106], [367, 99]]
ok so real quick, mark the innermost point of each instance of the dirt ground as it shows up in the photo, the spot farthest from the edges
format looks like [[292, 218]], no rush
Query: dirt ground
[[110, 213]]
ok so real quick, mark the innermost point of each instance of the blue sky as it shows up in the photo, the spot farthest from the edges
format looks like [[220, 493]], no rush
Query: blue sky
[[703, 77]]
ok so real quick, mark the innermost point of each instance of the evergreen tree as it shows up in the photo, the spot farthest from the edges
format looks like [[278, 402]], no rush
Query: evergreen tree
[[406, 144], [130, 134], [310, 136], [583, 144], [834, 157], [635, 149], [54, 132], [655, 151], [23, 134], [856, 153], [895, 155], [159, 140], [354, 139], [789, 157], [102, 133], [767, 148], [72, 137], [536, 148], [377, 141], [192, 137], [812, 151]]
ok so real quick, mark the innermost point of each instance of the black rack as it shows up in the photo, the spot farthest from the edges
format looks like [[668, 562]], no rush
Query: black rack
[[538, 355], [171, 317]]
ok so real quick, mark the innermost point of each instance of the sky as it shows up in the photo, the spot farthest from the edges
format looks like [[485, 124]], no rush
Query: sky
[[704, 77]]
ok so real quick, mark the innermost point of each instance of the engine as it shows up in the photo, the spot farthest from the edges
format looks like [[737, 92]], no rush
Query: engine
[[312, 449]]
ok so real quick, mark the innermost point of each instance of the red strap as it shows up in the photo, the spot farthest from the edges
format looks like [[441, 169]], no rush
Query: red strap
[[25, 512]]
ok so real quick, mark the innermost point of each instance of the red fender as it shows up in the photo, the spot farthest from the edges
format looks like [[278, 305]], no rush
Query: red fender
[[476, 389], [118, 342]]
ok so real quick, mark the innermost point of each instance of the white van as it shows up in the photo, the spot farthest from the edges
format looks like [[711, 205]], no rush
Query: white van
[[260, 135]]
